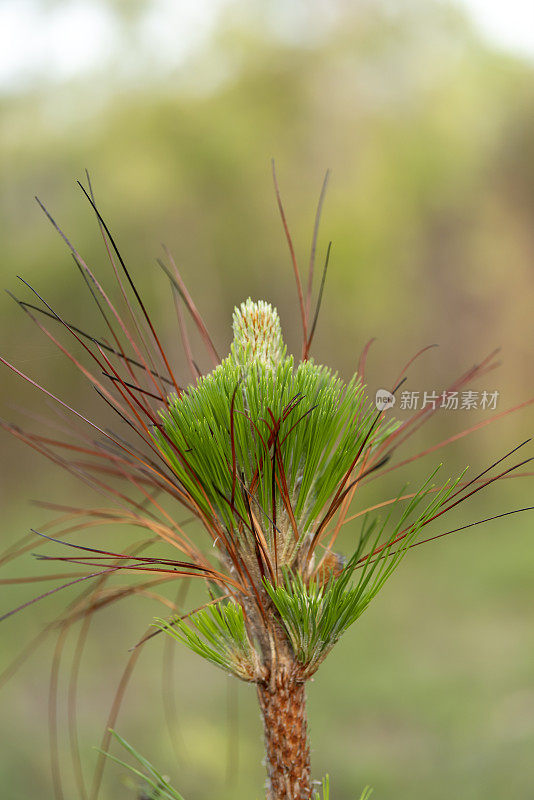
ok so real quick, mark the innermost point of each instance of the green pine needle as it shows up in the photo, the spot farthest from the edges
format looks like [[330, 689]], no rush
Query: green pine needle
[[151, 776], [365, 795], [316, 442], [219, 635], [315, 616]]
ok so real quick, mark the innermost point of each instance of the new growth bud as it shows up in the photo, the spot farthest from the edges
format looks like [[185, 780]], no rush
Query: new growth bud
[[257, 335]]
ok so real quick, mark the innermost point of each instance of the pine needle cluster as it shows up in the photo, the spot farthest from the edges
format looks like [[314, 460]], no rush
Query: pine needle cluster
[[267, 454]]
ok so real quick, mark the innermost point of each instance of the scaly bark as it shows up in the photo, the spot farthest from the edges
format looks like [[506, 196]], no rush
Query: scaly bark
[[283, 706]]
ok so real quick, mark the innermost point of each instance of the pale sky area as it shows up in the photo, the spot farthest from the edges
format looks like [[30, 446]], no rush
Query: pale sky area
[[33, 43]]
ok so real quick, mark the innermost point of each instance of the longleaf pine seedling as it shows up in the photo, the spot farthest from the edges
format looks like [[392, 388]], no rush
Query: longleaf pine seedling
[[266, 452]]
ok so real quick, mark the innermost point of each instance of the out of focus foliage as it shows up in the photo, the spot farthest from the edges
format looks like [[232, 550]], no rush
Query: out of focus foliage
[[429, 134]]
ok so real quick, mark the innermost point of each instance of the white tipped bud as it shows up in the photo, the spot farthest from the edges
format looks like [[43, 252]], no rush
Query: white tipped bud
[[257, 335]]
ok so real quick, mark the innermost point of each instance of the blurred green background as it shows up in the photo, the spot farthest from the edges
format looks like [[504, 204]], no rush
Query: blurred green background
[[429, 132]]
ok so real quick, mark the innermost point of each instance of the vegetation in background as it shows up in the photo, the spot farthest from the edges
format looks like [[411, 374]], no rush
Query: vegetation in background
[[268, 457], [430, 212]]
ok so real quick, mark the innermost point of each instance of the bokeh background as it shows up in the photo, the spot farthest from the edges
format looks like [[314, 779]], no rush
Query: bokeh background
[[424, 112]]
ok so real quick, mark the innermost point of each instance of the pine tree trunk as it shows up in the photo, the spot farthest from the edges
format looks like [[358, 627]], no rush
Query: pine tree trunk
[[287, 759]]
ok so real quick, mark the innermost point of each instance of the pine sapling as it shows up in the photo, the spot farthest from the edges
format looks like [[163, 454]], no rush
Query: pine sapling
[[267, 453]]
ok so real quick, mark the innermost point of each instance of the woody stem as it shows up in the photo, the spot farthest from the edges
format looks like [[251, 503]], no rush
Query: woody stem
[[283, 706]]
